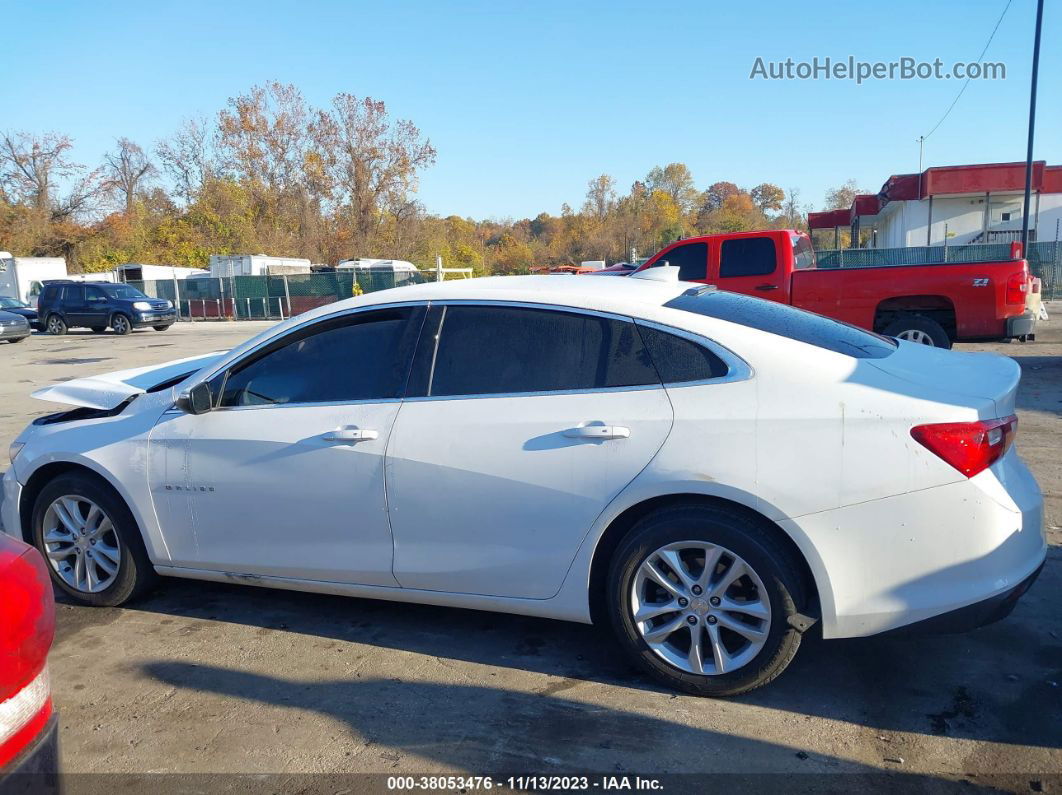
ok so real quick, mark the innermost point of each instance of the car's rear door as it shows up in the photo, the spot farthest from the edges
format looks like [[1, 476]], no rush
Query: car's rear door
[[521, 423], [285, 476], [752, 265], [73, 305]]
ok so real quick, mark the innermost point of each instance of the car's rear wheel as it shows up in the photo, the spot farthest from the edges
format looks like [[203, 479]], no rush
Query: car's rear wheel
[[919, 329], [160, 328], [701, 596], [91, 541], [121, 324], [55, 325]]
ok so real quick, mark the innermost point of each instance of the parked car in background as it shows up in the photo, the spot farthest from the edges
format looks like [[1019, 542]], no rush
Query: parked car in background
[[709, 473], [17, 307], [929, 304], [99, 305], [13, 328], [29, 748]]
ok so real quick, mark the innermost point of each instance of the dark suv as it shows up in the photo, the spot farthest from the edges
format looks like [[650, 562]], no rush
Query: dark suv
[[97, 305]]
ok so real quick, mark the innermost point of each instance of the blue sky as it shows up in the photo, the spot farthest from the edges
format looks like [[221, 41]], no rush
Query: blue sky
[[526, 102]]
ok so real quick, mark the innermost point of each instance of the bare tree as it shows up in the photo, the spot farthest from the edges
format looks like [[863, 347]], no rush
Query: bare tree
[[600, 196], [188, 158], [373, 161], [127, 171], [33, 166]]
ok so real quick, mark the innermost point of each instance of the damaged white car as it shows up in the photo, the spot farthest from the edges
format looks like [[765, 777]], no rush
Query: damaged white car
[[710, 474]]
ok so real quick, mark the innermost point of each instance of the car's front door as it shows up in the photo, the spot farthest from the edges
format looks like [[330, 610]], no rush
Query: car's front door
[[285, 476], [520, 425]]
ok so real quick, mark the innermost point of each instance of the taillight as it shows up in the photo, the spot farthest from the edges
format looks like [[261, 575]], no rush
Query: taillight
[[1017, 287], [970, 447], [27, 624]]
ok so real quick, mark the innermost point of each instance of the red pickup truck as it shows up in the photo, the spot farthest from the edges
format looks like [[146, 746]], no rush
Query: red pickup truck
[[931, 304]]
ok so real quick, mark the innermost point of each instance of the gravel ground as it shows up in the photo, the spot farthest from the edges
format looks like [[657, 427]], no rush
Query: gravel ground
[[204, 678]]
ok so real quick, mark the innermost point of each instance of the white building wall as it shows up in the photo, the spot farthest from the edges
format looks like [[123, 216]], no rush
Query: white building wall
[[960, 219], [1049, 224]]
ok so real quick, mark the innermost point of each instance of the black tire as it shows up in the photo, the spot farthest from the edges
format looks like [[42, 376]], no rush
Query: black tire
[[135, 572], [98, 329], [160, 328], [744, 535], [121, 324], [919, 325], [55, 325], [17, 339]]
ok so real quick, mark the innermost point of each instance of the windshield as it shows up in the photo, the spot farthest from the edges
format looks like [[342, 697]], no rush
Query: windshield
[[122, 291], [785, 321], [12, 303]]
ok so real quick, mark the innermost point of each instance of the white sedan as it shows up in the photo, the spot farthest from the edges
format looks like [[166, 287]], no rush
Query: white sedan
[[709, 473]]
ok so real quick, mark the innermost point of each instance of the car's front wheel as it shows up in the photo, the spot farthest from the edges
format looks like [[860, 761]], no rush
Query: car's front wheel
[[121, 324], [701, 596], [91, 541]]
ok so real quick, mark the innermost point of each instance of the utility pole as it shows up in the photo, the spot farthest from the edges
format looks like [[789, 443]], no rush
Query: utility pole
[[1032, 124]]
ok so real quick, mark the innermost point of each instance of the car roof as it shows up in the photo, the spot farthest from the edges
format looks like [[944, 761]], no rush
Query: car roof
[[605, 295]]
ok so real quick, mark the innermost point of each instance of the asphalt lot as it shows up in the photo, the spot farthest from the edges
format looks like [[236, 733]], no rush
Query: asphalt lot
[[204, 678]]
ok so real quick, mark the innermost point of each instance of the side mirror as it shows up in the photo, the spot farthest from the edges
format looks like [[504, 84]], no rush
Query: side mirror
[[197, 400]]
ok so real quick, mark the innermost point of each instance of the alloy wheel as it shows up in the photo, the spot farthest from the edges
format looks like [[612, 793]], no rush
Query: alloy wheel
[[917, 336], [55, 325], [81, 544], [700, 607], [120, 325]]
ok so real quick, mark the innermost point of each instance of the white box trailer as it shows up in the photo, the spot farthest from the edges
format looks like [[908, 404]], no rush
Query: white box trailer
[[23, 277], [138, 272], [225, 265]]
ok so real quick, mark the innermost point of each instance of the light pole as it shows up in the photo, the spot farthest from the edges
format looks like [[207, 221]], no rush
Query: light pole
[[1032, 123]]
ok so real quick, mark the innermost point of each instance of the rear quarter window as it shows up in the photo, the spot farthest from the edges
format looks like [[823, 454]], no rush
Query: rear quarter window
[[785, 321]]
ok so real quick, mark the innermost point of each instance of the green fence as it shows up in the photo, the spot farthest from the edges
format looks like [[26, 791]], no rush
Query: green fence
[[1045, 259], [267, 297]]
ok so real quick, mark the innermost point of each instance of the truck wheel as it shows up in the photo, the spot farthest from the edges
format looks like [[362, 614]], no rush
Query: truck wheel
[[918, 329], [56, 325], [121, 324]]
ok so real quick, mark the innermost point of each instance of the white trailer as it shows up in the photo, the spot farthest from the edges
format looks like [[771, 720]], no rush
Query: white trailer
[[137, 272], [223, 266], [22, 277]]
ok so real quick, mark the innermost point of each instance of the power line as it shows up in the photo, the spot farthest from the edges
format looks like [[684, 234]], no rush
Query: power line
[[968, 77]]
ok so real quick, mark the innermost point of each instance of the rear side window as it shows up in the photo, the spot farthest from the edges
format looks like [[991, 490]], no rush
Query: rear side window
[[679, 360], [690, 258], [803, 253], [484, 350], [50, 293], [747, 256], [74, 294], [360, 357], [785, 321]]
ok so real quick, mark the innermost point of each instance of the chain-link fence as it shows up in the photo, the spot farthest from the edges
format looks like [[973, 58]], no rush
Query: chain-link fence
[[268, 297], [1045, 259]]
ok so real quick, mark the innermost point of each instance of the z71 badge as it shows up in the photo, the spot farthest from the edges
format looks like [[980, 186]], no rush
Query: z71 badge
[[980, 282]]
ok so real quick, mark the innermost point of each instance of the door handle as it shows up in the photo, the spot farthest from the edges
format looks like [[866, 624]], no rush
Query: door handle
[[351, 435], [598, 432], [766, 287]]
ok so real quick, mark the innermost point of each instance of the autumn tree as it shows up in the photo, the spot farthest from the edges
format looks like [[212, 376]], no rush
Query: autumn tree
[[841, 198], [767, 197], [32, 167], [676, 181]]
